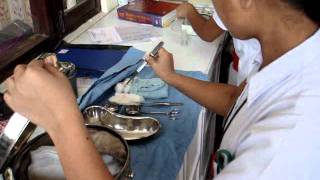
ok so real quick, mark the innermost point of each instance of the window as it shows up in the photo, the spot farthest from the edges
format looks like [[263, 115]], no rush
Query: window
[[80, 13], [48, 21]]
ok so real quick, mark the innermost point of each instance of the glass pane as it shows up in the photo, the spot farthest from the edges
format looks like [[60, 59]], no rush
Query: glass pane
[[68, 4], [15, 22]]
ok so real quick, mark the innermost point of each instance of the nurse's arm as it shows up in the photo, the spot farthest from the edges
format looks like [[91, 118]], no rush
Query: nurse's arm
[[44, 95], [216, 97], [77, 152], [206, 29]]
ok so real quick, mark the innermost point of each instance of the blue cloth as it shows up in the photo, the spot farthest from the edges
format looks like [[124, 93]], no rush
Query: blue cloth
[[161, 156], [153, 88], [124, 68]]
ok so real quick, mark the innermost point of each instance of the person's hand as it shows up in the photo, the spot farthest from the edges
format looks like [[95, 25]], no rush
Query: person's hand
[[52, 59], [183, 10], [163, 64], [41, 93]]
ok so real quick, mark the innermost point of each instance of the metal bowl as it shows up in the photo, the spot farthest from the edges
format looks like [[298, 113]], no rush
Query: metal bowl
[[129, 127], [109, 142], [95, 115]]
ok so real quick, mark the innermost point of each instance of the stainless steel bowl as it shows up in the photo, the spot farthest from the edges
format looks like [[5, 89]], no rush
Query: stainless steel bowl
[[129, 127], [110, 143], [95, 115]]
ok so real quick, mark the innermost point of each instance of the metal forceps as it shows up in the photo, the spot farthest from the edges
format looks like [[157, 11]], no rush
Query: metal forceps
[[153, 53]]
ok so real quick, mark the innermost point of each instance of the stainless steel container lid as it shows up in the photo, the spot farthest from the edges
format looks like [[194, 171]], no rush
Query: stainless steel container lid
[[67, 68]]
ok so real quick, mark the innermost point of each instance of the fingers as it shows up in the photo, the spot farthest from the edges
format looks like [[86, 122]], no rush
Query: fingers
[[52, 60], [41, 66], [52, 69], [162, 53], [35, 64], [150, 60], [9, 86], [49, 64], [7, 98], [19, 70]]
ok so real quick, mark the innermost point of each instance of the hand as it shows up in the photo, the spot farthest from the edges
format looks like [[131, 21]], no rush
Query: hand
[[183, 10], [163, 64], [52, 59], [41, 93]]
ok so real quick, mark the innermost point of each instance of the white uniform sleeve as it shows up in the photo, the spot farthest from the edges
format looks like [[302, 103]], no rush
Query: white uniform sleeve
[[218, 21]]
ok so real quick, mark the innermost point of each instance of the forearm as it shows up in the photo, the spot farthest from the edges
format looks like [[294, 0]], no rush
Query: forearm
[[77, 153], [214, 96], [206, 29]]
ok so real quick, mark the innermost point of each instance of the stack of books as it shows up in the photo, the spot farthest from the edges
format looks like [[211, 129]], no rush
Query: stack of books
[[157, 13]]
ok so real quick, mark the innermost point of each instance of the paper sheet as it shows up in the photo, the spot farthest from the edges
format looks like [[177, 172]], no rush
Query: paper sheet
[[124, 33], [105, 35]]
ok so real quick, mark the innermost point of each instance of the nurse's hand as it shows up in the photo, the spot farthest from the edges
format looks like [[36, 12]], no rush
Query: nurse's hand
[[183, 10], [52, 59], [163, 64], [41, 93]]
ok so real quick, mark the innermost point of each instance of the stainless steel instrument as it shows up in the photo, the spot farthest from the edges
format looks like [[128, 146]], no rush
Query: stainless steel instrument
[[129, 127], [149, 104], [136, 110], [153, 53]]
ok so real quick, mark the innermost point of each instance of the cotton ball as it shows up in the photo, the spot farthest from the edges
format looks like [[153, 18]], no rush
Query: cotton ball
[[123, 87], [126, 80], [126, 99], [136, 99], [119, 88], [126, 88]]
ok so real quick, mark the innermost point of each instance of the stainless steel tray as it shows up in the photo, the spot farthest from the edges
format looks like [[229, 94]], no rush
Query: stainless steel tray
[[129, 127]]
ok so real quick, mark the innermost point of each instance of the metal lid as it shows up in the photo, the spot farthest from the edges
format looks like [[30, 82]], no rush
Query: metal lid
[[67, 68]]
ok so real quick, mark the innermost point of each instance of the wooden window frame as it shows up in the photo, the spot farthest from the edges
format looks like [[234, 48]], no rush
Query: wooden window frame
[[51, 25], [79, 14]]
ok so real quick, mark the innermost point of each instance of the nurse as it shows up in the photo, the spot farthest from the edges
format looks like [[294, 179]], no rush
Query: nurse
[[272, 125], [272, 122], [248, 51]]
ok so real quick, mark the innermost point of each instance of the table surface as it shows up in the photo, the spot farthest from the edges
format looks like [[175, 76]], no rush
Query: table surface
[[196, 56]]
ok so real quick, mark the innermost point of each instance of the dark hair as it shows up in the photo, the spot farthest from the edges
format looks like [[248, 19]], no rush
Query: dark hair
[[310, 7]]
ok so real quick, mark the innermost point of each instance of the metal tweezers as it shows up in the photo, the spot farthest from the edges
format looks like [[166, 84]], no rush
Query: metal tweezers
[[153, 53]]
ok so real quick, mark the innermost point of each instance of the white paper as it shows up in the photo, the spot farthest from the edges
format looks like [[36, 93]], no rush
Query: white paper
[[106, 35], [124, 33], [63, 51], [138, 32]]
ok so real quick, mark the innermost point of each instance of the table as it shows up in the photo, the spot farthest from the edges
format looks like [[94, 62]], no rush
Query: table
[[196, 56]]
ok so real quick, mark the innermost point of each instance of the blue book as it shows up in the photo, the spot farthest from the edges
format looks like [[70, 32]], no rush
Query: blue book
[[91, 60]]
